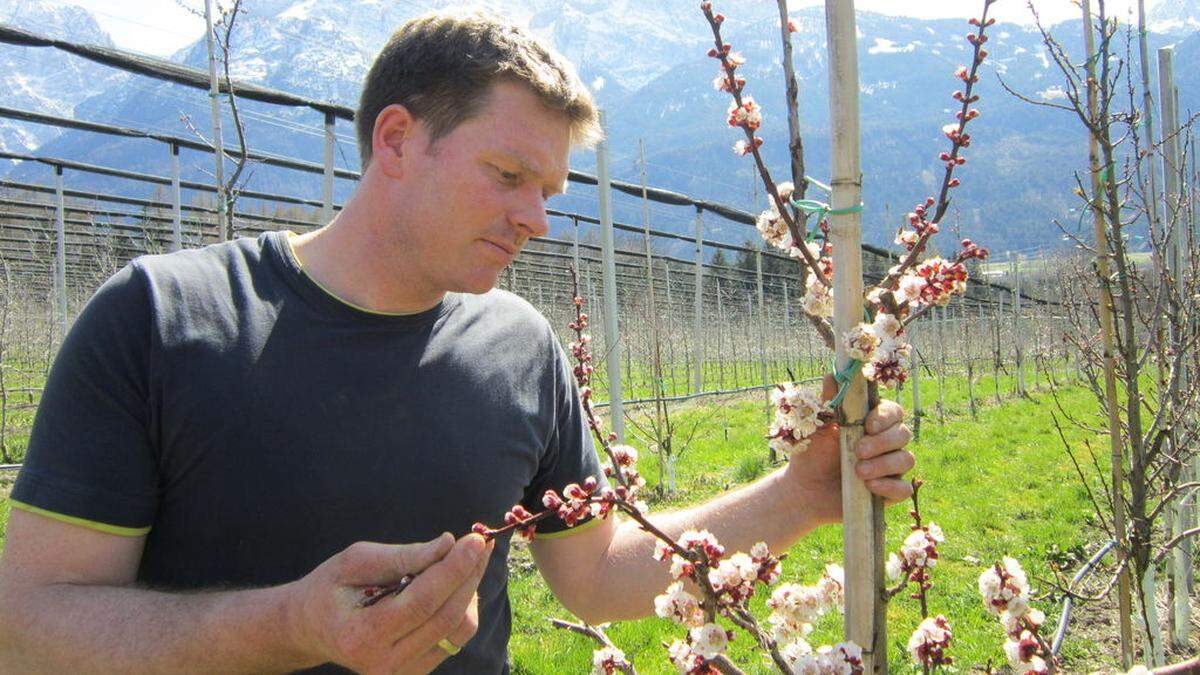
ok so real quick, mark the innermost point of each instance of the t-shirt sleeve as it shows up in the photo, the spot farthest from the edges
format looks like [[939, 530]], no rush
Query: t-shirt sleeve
[[90, 458], [570, 456]]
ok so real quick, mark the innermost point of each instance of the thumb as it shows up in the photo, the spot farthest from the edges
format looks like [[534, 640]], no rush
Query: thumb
[[371, 563]]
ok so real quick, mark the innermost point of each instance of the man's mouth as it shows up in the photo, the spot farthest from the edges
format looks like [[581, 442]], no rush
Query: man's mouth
[[507, 249]]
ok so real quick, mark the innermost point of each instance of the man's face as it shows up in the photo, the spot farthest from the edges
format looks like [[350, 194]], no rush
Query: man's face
[[468, 204]]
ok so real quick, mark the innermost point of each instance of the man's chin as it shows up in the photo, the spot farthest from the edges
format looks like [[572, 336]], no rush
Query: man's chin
[[478, 286]]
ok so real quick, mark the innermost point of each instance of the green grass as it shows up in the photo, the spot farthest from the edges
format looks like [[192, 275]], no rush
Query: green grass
[[999, 485]]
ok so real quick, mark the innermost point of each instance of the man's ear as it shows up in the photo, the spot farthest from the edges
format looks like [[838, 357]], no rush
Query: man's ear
[[392, 139]]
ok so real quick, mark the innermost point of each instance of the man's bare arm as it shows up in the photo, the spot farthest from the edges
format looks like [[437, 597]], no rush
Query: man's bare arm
[[67, 604], [607, 572]]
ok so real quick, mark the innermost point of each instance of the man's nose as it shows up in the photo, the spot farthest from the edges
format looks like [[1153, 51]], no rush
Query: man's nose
[[529, 215]]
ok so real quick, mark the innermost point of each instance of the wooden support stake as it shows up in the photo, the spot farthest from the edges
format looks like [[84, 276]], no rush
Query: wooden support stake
[[698, 309], [1181, 557], [176, 201], [327, 178], [612, 336], [1124, 587], [214, 93], [862, 512], [60, 252]]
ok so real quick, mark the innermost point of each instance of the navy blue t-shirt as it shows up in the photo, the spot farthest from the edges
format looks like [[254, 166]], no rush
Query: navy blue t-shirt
[[257, 425]]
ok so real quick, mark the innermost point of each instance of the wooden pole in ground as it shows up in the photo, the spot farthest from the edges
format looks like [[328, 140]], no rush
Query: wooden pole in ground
[[862, 512], [612, 335], [941, 336], [720, 342], [1174, 218], [1018, 334], [914, 379], [327, 176], [966, 330], [1124, 591], [762, 337], [176, 201], [996, 328], [214, 94], [60, 253], [698, 309]]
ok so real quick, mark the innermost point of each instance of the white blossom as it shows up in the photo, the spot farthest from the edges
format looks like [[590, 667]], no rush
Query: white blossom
[[709, 640], [607, 660], [818, 298], [679, 606]]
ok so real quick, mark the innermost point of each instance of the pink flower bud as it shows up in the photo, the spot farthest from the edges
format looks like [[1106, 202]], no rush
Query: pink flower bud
[[551, 500], [480, 528], [706, 6], [967, 243], [792, 27], [953, 183], [712, 53], [590, 484], [945, 156], [973, 21], [719, 18]]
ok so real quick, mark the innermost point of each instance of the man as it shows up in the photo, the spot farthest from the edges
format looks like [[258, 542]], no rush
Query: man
[[224, 428]]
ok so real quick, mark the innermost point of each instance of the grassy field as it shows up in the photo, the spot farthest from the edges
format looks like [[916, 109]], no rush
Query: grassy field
[[999, 485]]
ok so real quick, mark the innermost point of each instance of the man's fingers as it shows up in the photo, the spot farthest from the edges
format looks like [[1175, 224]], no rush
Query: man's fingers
[[431, 658], [454, 619], [893, 490], [396, 617], [893, 438], [886, 414], [368, 563], [893, 464]]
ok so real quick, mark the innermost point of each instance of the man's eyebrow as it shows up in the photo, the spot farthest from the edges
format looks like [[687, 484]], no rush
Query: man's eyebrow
[[529, 169]]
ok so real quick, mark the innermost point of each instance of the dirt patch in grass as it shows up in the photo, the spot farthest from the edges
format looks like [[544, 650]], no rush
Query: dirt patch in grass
[[1095, 624]]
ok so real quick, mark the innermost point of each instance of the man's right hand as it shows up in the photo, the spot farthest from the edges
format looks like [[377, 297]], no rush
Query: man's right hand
[[399, 634]]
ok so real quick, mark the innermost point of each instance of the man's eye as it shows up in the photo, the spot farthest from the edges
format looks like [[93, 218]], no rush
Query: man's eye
[[508, 176]]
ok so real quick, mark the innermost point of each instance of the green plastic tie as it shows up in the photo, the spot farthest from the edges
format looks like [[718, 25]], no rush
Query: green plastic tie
[[843, 377], [822, 209]]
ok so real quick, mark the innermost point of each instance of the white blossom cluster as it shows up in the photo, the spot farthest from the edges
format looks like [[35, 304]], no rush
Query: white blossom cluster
[[918, 552], [794, 607], [608, 660], [930, 641], [880, 345], [818, 298], [1005, 592], [748, 114], [797, 417], [844, 658], [679, 606]]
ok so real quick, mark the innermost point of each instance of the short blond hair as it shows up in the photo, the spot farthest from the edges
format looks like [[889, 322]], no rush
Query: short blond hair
[[441, 67]]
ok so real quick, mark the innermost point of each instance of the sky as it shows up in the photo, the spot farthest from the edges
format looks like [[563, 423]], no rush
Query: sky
[[161, 27]]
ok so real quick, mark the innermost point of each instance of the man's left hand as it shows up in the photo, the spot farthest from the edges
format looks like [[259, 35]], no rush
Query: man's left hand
[[882, 461]]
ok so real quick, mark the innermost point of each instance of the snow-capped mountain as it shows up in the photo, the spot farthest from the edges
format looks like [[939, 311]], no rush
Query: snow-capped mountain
[[1174, 17], [657, 87], [44, 79]]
